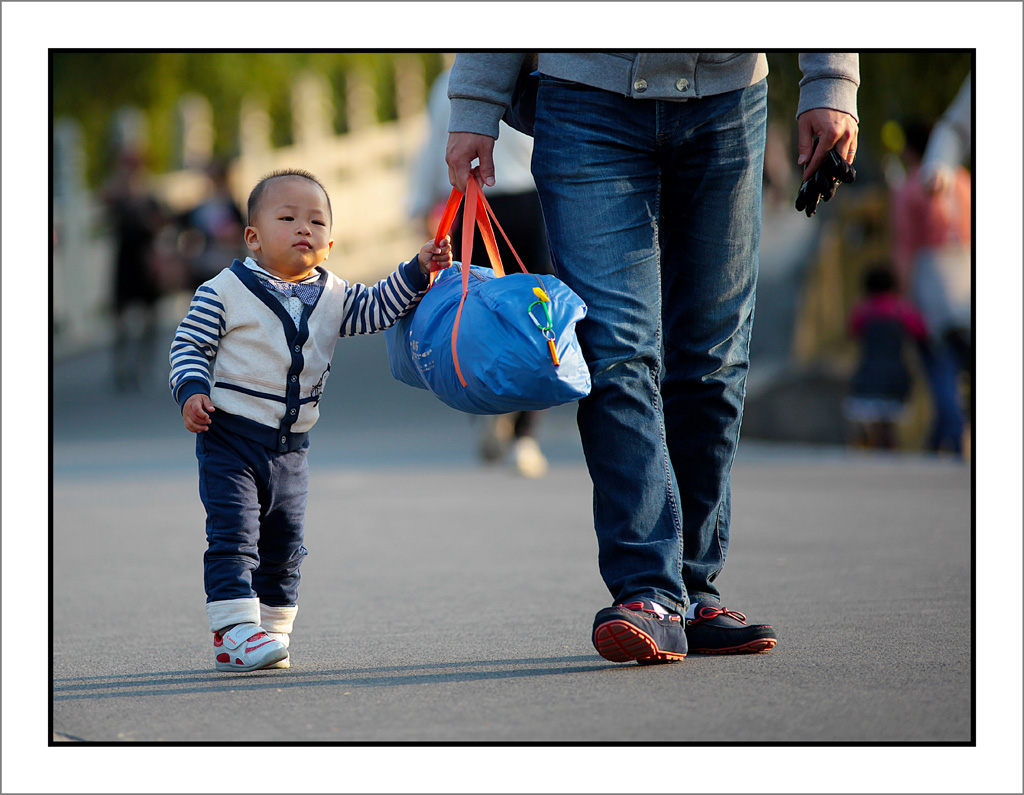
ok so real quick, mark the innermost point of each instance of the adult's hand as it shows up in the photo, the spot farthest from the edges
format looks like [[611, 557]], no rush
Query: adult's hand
[[833, 128], [463, 148]]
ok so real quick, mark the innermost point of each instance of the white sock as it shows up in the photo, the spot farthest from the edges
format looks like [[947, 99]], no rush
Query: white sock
[[228, 612], [278, 619], [661, 611]]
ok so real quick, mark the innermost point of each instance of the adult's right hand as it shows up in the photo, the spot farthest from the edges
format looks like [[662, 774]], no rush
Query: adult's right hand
[[463, 148]]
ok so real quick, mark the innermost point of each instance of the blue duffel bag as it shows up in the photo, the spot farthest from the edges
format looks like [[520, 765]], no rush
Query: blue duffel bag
[[488, 343]]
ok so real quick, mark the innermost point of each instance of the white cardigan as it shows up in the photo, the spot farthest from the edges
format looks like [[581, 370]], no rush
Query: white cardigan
[[264, 374]]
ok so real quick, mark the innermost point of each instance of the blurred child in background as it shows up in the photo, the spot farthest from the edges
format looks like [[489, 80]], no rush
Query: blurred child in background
[[883, 324]]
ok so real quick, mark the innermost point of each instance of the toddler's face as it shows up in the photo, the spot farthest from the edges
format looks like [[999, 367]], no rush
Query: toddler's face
[[291, 233]]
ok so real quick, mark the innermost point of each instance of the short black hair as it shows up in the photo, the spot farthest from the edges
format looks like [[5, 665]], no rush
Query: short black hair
[[256, 195], [879, 279]]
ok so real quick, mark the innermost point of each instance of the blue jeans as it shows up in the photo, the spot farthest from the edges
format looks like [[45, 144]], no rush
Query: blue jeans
[[255, 502], [653, 213], [943, 373]]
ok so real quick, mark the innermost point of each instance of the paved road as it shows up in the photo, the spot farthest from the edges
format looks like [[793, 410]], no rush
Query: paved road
[[444, 601]]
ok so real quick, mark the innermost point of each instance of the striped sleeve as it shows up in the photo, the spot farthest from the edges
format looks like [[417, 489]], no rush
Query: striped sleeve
[[195, 345], [372, 309]]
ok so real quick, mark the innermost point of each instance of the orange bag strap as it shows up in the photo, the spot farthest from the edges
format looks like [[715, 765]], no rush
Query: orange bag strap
[[451, 209], [486, 208], [472, 191], [482, 214], [444, 226], [487, 235]]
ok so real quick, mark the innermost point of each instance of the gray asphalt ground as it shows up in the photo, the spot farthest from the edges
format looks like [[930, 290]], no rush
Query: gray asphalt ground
[[445, 601]]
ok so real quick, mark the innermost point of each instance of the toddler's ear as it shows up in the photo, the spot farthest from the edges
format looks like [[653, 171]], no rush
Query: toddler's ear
[[252, 238]]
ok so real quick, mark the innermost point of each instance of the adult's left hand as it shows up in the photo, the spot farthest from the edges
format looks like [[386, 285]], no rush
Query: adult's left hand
[[833, 128]]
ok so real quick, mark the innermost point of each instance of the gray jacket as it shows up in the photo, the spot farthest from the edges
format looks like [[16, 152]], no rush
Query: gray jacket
[[481, 83]]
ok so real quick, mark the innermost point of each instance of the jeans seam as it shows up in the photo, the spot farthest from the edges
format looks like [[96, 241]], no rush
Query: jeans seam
[[677, 520], [739, 424]]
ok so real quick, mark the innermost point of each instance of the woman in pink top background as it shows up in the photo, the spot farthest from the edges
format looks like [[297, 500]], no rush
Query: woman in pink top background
[[932, 257]]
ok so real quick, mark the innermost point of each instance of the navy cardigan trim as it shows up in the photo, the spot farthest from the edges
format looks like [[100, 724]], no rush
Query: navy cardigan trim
[[296, 338], [278, 439]]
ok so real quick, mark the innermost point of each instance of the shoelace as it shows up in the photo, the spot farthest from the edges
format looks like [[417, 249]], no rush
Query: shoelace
[[708, 613], [641, 608]]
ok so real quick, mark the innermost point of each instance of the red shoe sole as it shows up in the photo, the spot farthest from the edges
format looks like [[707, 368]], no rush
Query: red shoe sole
[[620, 641]]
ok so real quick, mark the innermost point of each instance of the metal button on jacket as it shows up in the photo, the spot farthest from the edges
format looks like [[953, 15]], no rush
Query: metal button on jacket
[[682, 84], [640, 85]]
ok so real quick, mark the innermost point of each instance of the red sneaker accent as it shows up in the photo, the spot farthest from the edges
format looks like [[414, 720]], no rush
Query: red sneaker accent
[[712, 644], [238, 650], [707, 613]]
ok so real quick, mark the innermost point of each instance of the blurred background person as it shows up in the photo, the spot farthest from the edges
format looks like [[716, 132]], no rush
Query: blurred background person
[[517, 207], [883, 324], [942, 172], [931, 251], [212, 230], [137, 219]]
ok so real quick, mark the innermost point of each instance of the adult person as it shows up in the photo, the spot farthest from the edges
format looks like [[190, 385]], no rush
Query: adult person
[[137, 219], [649, 169], [942, 171], [931, 239]]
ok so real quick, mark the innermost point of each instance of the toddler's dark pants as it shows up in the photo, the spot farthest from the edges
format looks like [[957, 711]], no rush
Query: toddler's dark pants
[[255, 501]]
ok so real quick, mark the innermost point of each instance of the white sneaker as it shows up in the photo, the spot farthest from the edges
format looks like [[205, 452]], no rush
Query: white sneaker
[[283, 638], [530, 461], [246, 647]]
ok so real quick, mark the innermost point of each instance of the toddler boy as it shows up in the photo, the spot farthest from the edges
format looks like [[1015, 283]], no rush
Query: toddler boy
[[248, 367]]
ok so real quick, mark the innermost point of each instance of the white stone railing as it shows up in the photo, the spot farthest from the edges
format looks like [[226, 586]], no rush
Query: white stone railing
[[366, 171]]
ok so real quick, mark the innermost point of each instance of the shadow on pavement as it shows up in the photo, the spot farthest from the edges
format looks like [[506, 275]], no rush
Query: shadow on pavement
[[163, 683]]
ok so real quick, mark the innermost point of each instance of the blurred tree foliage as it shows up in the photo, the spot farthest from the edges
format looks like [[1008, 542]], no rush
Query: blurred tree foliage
[[90, 86]]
